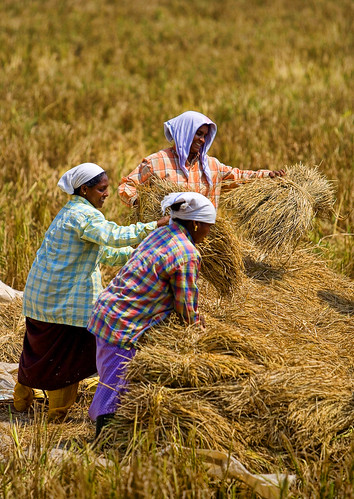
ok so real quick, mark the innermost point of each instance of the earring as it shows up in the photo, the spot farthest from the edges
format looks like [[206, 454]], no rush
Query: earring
[[195, 228]]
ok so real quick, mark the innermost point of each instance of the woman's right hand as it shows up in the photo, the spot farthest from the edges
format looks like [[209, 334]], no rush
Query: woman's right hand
[[202, 322], [163, 221]]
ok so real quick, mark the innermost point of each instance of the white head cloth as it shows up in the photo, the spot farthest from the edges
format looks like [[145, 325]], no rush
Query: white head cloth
[[195, 207], [77, 176], [182, 130]]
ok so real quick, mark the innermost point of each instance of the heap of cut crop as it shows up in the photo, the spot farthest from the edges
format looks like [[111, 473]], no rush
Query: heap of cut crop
[[12, 330], [273, 369], [271, 375], [278, 213]]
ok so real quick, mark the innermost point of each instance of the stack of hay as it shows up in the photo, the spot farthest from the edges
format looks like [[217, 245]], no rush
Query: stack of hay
[[277, 214], [274, 366], [272, 375], [12, 330]]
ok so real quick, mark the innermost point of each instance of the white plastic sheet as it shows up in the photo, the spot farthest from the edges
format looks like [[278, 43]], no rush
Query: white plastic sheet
[[221, 465], [7, 294], [7, 380]]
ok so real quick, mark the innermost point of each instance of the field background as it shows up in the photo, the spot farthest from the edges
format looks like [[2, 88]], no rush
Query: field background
[[95, 80]]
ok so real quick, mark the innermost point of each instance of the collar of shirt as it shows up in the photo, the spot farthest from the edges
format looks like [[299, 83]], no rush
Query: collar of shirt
[[188, 164], [183, 229], [80, 199]]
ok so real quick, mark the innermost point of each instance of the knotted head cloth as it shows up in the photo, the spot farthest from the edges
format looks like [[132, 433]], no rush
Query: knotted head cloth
[[194, 206], [182, 130], [79, 175]]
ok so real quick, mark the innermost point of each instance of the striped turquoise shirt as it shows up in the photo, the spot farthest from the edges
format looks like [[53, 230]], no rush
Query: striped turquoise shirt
[[65, 279]]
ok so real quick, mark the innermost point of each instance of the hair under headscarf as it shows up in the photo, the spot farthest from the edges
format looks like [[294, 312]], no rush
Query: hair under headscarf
[[79, 175], [182, 130], [194, 206]]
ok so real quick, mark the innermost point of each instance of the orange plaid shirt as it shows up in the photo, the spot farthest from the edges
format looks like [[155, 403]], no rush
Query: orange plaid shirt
[[165, 165]]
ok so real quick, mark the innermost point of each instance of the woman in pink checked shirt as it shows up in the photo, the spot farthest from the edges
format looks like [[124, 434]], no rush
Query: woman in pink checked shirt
[[186, 163], [159, 278]]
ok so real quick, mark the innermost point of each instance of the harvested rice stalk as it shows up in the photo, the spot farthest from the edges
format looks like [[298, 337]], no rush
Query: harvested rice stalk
[[221, 254], [150, 196], [222, 262], [273, 214], [234, 341], [176, 412], [12, 330], [307, 403], [171, 369], [304, 312], [218, 338], [293, 328], [277, 214], [320, 189]]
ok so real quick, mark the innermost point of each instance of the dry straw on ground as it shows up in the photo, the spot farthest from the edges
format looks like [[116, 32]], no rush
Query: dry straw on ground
[[269, 380], [278, 213], [221, 252], [12, 330], [273, 371]]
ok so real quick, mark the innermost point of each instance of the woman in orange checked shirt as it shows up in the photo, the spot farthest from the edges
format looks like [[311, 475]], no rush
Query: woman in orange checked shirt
[[186, 163]]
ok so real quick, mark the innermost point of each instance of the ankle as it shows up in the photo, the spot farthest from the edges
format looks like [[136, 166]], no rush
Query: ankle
[[102, 421]]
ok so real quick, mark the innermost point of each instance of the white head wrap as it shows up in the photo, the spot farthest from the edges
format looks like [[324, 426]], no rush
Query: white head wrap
[[79, 175], [195, 207], [182, 130]]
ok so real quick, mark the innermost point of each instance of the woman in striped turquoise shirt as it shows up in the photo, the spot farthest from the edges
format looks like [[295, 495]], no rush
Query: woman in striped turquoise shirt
[[159, 278], [62, 287]]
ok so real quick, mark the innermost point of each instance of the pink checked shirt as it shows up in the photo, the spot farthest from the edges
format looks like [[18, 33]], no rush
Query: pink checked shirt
[[165, 165]]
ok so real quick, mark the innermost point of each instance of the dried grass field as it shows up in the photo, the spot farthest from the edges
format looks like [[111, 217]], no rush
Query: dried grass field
[[271, 380]]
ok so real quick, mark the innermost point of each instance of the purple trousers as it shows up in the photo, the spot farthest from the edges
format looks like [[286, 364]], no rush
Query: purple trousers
[[111, 364]]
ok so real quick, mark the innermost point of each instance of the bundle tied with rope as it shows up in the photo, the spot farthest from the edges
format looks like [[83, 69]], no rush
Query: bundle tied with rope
[[222, 262], [276, 214]]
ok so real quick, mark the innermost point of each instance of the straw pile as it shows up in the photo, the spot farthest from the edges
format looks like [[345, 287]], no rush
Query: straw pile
[[317, 186], [12, 331], [150, 196], [222, 261], [278, 213], [271, 376], [221, 252]]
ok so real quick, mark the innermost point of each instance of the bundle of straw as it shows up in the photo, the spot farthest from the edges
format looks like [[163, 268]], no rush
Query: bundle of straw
[[12, 330], [221, 253], [165, 366], [306, 403], [273, 370], [222, 262], [318, 187], [177, 414], [150, 195], [278, 213]]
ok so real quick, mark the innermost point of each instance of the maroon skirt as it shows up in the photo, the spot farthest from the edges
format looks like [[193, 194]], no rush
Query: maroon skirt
[[56, 355]]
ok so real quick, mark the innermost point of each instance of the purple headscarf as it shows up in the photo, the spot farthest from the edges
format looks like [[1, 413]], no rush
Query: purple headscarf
[[182, 130]]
